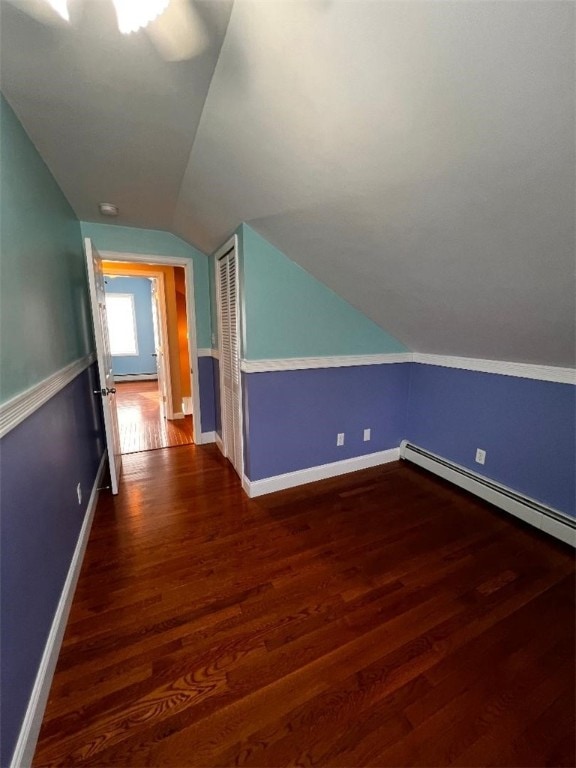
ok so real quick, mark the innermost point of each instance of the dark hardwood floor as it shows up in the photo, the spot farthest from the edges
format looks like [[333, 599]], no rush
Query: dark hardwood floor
[[141, 425], [382, 619]]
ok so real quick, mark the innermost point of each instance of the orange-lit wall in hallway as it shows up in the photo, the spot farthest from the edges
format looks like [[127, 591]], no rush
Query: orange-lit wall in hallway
[[182, 319]]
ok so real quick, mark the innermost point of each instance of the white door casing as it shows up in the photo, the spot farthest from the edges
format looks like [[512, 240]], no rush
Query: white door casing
[[104, 359]]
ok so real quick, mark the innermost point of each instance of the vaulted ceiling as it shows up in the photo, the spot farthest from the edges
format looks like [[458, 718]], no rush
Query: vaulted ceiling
[[417, 157]]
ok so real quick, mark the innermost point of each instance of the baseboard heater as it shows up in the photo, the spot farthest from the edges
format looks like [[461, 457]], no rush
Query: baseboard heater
[[135, 376], [540, 516]]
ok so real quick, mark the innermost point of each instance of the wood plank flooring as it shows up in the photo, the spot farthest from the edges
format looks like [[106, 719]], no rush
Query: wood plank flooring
[[142, 428], [381, 619]]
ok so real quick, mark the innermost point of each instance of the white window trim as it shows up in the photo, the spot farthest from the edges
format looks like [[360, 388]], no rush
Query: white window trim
[[130, 297]]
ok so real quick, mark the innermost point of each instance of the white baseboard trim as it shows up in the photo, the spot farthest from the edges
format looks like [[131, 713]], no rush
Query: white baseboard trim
[[529, 510], [23, 405], [177, 415], [26, 744], [208, 437], [120, 377], [219, 443], [559, 530], [302, 476], [187, 406]]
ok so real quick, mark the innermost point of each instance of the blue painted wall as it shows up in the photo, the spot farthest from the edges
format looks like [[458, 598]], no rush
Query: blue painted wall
[[291, 314], [41, 461], [294, 416], [217, 413], [141, 289], [207, 393], [45, 325], [527, 428]]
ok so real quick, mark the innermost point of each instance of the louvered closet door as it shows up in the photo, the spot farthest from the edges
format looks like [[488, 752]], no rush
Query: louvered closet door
[[225, 359], [230, 384], [235, 363]]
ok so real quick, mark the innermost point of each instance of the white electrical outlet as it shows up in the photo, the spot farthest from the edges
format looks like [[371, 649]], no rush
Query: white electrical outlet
[[367, 435], [340, 438], [480, 456], [79, 493]]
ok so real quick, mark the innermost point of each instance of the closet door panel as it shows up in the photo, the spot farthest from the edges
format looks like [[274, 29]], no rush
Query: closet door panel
[[224, 328], [230, 375]]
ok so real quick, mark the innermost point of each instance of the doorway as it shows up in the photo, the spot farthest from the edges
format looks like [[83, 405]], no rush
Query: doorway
[[148, 325]]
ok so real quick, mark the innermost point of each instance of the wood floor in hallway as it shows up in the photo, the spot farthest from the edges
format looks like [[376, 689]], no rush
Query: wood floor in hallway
[[142, 427], [383, 619]]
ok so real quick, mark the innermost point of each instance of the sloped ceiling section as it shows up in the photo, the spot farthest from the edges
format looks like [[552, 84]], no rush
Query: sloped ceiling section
[[416, 157]]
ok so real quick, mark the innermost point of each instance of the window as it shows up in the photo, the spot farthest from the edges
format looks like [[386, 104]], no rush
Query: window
[[121, 323]]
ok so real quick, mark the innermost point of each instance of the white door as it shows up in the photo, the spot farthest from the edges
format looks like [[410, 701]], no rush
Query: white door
[[159, 349], [230, 376], [107, 391]]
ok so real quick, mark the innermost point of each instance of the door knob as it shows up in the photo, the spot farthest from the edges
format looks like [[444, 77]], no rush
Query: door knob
[[105, 391]]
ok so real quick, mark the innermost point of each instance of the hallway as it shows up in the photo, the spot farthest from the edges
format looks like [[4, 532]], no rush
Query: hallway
[[141, 426], [380, 618]]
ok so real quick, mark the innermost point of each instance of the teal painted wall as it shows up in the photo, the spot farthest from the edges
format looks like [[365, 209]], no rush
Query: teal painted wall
[[44, 310], [112, 237], [291, 314]]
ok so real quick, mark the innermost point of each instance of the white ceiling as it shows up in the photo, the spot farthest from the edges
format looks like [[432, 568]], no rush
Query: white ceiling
[[417, 157]]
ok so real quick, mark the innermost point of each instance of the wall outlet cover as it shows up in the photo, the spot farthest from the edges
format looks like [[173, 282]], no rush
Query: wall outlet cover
[[79, 493], [367, 435], [480, 456], [340, 438]]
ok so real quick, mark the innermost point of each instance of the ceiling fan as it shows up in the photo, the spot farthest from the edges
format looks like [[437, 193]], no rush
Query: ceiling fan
[[174, 26]]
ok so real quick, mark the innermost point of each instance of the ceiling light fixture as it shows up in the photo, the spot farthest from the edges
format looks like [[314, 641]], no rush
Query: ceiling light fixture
[[137, 14], [61, 8], [174, 27], [108, 209]]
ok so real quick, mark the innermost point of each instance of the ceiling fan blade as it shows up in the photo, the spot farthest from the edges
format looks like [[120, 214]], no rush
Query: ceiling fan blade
[[179, 33], [42, 11]]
